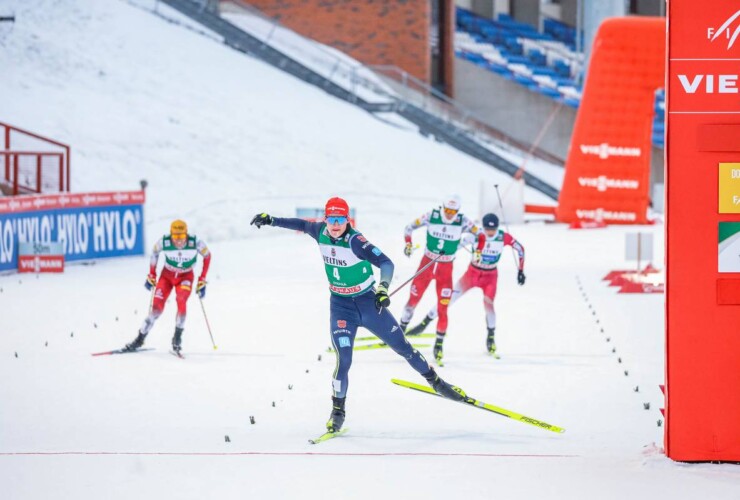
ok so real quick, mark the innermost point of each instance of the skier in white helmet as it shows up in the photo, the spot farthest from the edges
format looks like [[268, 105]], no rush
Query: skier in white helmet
[[483, 273], [445, 226]]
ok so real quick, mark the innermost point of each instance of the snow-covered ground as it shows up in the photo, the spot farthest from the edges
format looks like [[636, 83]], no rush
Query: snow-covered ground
[[220, 136]]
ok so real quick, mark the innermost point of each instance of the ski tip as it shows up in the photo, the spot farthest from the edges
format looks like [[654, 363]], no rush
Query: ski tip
[[328, 435]]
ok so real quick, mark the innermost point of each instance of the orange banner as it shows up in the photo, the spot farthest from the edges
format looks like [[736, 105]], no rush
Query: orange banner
[[607, 172]]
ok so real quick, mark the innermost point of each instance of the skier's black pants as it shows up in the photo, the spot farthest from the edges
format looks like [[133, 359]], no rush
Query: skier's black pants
[[348, 313]]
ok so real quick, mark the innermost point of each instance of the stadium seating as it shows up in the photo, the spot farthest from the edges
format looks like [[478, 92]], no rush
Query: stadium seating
[[545, 62]]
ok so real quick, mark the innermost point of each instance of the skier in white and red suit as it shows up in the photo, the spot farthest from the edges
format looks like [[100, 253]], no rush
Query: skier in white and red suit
[[181, 252], [445, 226], [483, 273]]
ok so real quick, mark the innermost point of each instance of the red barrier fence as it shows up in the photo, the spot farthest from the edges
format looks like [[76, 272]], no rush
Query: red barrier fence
[[31, 163]]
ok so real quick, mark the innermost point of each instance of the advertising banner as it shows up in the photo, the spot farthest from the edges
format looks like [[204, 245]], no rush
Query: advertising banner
[[40, 257], [607, 172], [86, 225], [702, 231]]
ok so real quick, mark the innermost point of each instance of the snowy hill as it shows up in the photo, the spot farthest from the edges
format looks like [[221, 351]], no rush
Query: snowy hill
[[220, 136]]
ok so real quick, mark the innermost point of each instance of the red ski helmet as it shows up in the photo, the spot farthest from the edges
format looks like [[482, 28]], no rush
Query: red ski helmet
[[336, 206]]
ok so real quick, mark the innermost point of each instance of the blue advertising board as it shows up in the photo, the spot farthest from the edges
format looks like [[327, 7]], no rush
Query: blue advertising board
[[88, 226]]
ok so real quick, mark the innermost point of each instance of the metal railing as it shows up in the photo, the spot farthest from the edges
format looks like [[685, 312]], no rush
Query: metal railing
[[30, 162]]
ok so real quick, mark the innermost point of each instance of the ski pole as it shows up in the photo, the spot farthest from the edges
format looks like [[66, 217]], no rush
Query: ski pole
[[417, 274], [501, 206], [203, 308], [151, 299]]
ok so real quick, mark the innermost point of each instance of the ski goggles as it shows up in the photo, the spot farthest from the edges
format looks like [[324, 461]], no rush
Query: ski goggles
[[181, 236], [450, 212], [335, 219]]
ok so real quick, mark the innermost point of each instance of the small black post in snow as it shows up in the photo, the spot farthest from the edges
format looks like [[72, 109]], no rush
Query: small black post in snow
[[251, 419]]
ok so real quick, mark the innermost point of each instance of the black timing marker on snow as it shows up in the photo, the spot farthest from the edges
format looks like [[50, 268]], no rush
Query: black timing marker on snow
[[637, 388], [626, 373], [46, 344], [619, 360], [646, 406], [116, 318], [251, 419], [319, 357], [306, 370], [71, 334], [16, 354], [290, 386], [660, 423], [95, 325], [226, 438], [608, 339], [273, 404]]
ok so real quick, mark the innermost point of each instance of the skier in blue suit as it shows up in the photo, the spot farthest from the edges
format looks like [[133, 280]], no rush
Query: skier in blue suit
[[355, 301]]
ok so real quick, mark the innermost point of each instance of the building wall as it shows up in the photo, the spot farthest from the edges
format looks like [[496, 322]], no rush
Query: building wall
[[394, 32], [512, 108], [526, 11]]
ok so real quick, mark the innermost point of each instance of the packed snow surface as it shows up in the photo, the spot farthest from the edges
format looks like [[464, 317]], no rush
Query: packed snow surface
[[219, 137]]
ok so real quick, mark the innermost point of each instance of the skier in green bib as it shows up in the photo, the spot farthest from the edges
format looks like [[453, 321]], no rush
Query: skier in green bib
[[181, 252], [445, 226], [355, 300]]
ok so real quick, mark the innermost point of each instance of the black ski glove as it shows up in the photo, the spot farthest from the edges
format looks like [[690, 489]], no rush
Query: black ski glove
[[381, 296], [520, 277], [261, 220]]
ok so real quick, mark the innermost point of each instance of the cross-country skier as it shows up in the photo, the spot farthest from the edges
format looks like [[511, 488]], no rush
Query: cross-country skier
[[180, 254], [483, 273], [445, 226], [348, 259]]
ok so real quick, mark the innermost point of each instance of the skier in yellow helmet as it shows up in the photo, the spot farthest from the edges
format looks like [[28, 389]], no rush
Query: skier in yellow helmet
[[180, 255]]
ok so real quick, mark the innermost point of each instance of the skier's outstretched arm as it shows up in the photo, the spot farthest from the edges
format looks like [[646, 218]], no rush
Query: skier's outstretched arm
[[513, 243], [313, 229]]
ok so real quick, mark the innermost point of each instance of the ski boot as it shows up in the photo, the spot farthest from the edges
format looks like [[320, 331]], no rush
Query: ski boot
[[491, 344], [404, 325], [443, 388], [437, 351], [137, 342], [177, 341], [336, 419], [419, 329]]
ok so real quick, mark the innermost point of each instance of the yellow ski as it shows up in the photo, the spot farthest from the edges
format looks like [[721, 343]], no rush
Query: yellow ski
[[484, 406]]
